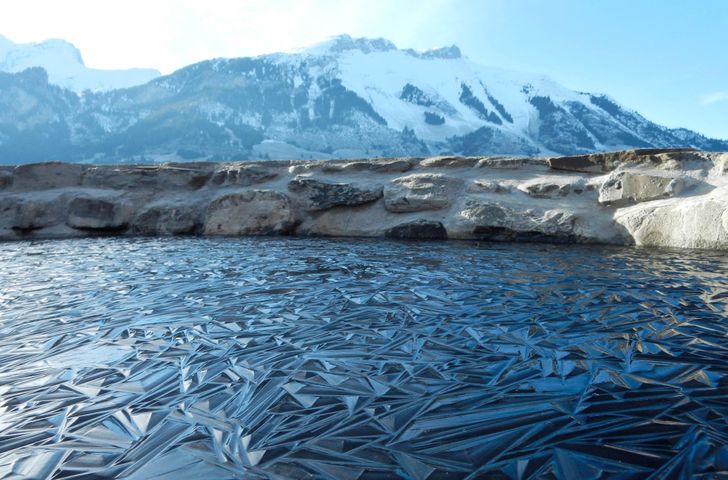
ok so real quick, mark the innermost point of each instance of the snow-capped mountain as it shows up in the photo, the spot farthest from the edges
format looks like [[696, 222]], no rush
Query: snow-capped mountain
[[65, 66], [343, 98]]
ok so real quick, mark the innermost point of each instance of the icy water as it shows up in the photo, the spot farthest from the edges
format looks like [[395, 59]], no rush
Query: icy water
[[349, 359]]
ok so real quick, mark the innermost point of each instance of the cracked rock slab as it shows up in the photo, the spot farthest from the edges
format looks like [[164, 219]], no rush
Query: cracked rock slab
[[387, 165], [317, 195], [675, 222], [243, 175], [418, 230], [91, 213], [168, 219], [488, 186], [250, 212], [420, 191], [551, 189], [625, 188], [607, 161], [36, 213], [48, 175], [507, 163], [6, 179], [449, 162], [493, 221], [152, 177]]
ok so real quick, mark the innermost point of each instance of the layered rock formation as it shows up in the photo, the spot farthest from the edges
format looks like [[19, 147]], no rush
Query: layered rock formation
[[669, 198]]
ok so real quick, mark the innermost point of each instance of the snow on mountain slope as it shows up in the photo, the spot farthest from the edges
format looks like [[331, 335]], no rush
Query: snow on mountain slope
[[65, 67], [344, 98], [456, 95]]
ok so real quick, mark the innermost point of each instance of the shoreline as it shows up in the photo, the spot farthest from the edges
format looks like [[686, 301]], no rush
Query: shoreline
[[675, 198]]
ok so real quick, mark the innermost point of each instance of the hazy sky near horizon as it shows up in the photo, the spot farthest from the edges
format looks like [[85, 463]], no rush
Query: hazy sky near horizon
[[666, 59]]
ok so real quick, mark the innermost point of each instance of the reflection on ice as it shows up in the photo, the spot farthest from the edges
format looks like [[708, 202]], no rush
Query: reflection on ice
[[89, 355], [276, 358]]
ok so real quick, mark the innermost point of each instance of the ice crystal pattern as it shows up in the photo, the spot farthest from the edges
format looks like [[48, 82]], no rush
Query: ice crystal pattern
[[276, 358]]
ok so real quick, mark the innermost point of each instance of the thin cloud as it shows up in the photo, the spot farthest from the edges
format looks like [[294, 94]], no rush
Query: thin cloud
[[714, 97]]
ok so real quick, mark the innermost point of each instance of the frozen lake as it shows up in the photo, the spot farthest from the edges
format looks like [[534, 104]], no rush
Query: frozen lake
[[353, 359]]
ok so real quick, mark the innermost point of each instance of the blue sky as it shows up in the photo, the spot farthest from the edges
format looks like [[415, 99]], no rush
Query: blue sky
[[667, 59]]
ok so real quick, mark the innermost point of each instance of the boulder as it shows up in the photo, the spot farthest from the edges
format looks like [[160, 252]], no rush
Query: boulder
[[7, 214], [607, 161], [168, 219], [318, 195], [721, 164], [45, 176], [449, 162], [251, 212], [488, 186], [243, 175], [97, 213], [493, 221], [34, 213], [6, 179], [420, 191], [418, 230], [384, 165], [625, 188], [692, 222]]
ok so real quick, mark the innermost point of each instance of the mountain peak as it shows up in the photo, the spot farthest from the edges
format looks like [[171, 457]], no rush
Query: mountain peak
[[65, 66], [60, 47], [18, 54], [345, 98], [343, 43]]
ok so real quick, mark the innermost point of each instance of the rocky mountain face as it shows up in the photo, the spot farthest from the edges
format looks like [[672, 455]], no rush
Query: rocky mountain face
[[345, 98]]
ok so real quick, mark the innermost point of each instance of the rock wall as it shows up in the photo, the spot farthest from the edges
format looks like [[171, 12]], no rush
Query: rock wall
[[672, 198]]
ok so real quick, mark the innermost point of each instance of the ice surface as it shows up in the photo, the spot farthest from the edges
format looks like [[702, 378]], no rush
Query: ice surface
[[347, 359]]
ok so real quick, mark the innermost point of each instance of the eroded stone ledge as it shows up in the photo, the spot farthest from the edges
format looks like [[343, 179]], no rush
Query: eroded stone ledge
[[675, 197]]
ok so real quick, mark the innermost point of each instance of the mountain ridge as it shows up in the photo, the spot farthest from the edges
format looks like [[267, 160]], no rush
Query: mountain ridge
[[344, 98], [65, 66]]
